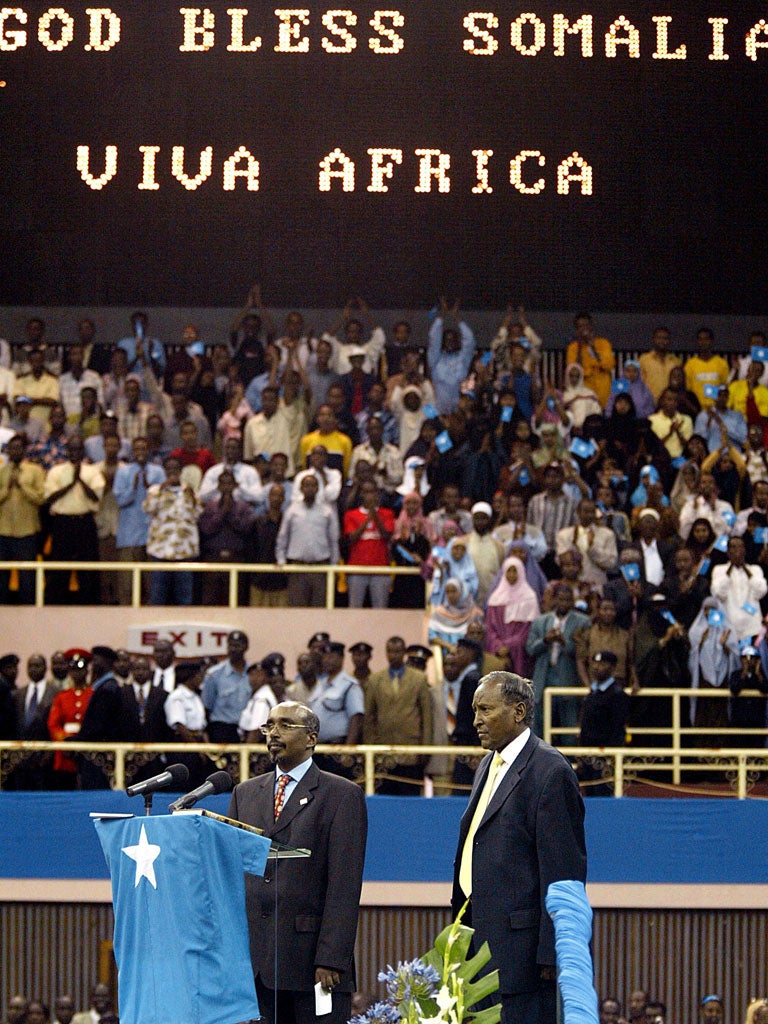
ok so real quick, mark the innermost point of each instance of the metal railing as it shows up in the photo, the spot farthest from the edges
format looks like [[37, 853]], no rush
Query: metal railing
[[618, 766], [232, 569]]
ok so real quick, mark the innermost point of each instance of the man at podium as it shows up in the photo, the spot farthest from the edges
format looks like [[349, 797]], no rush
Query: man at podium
[[302, 915]]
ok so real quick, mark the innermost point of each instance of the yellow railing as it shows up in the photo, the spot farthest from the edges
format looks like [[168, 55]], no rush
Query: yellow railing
[[621, 766], [232, 569]]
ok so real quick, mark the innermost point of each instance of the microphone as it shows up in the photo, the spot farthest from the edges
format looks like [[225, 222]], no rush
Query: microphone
[[219, 782], [177, 775]]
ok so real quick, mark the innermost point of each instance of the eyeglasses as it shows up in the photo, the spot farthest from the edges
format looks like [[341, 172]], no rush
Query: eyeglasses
[[270, 727]]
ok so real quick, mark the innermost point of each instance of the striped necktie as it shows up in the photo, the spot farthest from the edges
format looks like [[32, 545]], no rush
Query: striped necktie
[[282, 782], [465, 869]]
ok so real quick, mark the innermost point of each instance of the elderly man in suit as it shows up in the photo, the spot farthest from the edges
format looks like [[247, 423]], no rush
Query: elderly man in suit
[[302, 915], [552, 642], [399, 709], [522, 830]]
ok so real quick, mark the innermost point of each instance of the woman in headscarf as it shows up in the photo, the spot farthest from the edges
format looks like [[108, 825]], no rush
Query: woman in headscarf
[[729, 469], [551, 449], [713, 657], [700, 542], [456, 563], [415, 478], [685, 485], [410, 545], [408, 410], [661, 661], [578, 400], [450, 618], [639, 392], [512, 607], [621, 428]]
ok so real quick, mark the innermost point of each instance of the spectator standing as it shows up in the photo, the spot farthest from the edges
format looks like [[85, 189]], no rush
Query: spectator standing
[[130, 486], [657, 362], [449, 356], [226, 691], [268, 589], [66, 716], [185, 715], [398, 709], [39, 385], [512, 607], [308, 535], [604, 715], [22, 492], [338, 701], [552, 643], [224, 526], [173, 536], [740, 587], [748, 712], [73, 491], [713, 657], [705, 368], [102, 720], [367, 531], [594, 355], [410, 545]]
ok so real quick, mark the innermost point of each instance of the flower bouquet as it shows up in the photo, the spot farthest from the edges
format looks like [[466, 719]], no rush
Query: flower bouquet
[[437, 988]]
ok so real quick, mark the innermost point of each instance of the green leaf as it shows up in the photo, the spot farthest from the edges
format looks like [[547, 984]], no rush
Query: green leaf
[[471, 967], [490, 1015], [481, 988]]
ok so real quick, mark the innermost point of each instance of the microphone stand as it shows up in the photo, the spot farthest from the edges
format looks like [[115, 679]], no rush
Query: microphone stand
[[148, 804]]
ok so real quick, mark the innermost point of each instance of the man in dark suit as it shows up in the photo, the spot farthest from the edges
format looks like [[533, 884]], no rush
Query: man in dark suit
[[302, 915], [31, 706], [101, 721], [143, 715], [469, 655], [523, 829]]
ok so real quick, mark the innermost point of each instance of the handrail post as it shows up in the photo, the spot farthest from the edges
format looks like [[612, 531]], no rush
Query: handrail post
[[119, 768], [547, 697], [370, 773], [234, 576], [39, 586], [741, 790], [618, 773], [136, 588], [244, 758], [330, 585], [676, 738]]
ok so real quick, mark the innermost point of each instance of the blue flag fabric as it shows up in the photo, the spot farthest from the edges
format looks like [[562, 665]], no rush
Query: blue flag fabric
[[181, 933]]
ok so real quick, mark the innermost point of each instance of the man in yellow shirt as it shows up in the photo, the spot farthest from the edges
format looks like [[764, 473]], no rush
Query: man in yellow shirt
[[656, 363], [705, 368], [594, 355], [21, 495], [338, 445], [671, 427], [750, 397]]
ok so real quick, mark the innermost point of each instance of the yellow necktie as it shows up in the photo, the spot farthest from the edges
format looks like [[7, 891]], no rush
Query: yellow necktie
[[465, 869]]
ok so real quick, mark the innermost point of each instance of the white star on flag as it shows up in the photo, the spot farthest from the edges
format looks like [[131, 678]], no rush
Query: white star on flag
[[145, 854]]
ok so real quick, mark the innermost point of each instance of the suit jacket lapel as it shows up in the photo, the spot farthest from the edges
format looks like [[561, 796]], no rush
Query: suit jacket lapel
[[511, 778]]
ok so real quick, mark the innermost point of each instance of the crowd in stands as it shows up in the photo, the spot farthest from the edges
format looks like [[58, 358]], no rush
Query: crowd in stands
[[641, 1008], [607, 519]]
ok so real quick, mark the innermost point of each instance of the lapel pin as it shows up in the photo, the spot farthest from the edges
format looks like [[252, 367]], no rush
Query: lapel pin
[[304, 800]]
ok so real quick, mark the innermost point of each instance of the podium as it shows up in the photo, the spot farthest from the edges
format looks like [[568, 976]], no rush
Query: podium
[[181, 933]]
